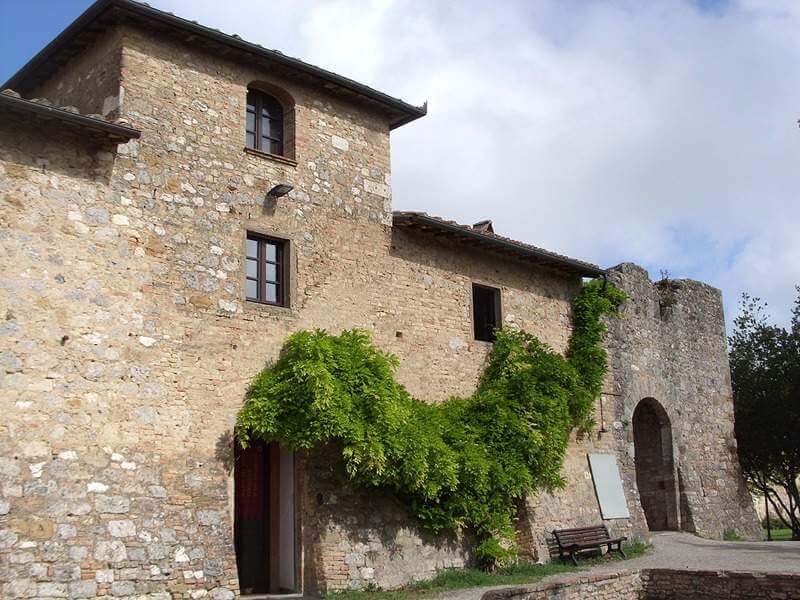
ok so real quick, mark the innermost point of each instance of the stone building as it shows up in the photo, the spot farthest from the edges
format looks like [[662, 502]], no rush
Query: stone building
[[153, 262]]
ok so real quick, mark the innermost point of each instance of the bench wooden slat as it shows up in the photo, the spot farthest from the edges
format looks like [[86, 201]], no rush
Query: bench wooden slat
[[577, 539], [592, 544], [581, 540]]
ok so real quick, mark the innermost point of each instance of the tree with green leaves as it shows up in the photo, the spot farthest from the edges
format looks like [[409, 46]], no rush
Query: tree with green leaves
[[765, 370]]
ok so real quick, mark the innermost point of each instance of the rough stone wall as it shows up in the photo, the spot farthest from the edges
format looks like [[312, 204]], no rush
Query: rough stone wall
[[87, 511], [669, 344], [90, 81], [360, 538], [575, 505], [127, 344]]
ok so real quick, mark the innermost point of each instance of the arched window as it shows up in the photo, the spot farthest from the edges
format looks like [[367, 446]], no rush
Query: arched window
[[264, 123]]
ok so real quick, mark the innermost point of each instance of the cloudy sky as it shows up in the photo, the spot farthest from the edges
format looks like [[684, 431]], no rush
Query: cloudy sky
[[663, 133]]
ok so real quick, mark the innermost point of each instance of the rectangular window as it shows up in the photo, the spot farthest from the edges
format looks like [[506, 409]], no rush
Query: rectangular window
[[485, 311], [266, 270]]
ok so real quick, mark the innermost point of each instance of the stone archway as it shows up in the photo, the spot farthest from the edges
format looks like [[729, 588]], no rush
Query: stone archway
[[655, 465]]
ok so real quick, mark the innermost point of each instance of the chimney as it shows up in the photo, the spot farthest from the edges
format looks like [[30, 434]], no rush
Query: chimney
[[484, 226]]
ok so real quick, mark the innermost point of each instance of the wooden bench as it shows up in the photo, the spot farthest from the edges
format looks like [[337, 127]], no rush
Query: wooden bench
[[572, 541]]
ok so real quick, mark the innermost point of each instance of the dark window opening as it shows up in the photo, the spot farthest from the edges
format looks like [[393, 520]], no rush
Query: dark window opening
[[485, 311], [264, 125], [266, 270]]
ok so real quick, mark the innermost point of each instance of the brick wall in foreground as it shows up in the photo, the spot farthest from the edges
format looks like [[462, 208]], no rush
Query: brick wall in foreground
[[626, 585], [670, 584], [659, 584]]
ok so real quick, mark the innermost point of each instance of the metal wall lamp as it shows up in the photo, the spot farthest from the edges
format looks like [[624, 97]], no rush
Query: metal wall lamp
[[280, 190]]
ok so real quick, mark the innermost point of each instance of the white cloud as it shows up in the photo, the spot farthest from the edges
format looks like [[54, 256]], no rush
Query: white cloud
[[655, 132]]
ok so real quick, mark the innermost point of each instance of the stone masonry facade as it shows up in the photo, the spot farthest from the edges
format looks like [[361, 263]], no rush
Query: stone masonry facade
[[127, 345], [667, 344], [670, 345]]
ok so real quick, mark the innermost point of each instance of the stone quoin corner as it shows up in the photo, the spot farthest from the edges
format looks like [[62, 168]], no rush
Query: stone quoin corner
[[176, 202]]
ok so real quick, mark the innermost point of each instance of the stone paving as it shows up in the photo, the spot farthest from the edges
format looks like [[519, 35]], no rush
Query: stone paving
[[672, 550]]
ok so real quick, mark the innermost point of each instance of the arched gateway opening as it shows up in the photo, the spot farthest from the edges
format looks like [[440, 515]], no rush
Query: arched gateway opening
[[655, 466]]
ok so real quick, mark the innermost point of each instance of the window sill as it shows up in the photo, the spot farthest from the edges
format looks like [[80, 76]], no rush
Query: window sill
[[268, 156], [266, 307]]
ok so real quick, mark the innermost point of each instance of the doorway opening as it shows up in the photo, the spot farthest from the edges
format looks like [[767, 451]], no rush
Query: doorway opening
[[264, 519], [655, 466]]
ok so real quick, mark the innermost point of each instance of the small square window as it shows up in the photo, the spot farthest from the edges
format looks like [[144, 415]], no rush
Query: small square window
[[485, 312], [266, 272]]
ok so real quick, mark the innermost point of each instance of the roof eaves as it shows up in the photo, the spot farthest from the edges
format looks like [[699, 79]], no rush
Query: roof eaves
[[408, 111], [583, 268], [114, 130]]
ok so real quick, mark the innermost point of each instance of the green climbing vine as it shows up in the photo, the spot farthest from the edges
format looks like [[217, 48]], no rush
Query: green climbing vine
[[462, 463]]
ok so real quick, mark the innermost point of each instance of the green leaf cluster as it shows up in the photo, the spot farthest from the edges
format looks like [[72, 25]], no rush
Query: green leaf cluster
[[462, 463], [765, 374]]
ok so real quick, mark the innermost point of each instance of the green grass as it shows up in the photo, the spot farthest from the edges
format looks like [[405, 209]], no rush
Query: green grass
[[453, 579], [730, 535], [779, 535]]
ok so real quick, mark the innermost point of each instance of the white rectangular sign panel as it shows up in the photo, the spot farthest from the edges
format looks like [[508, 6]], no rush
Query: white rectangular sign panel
[[608, 486]]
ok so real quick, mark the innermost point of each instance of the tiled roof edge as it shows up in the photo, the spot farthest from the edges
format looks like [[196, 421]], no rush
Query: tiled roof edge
[[42, 106], [423, 219], [408, 111]]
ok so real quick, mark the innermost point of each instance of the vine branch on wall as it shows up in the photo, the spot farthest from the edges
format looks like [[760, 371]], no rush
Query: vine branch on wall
[[464, 462]]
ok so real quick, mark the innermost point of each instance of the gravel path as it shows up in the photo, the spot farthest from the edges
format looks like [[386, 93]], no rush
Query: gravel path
[[673, 550]]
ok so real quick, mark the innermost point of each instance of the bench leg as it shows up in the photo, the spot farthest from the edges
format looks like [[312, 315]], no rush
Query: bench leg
[[574, 560], [617, 549]]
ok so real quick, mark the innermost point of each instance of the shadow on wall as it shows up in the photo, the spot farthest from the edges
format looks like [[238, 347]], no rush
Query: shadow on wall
[[31, 146], [363, 516], [223, 451], [687, 522]]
